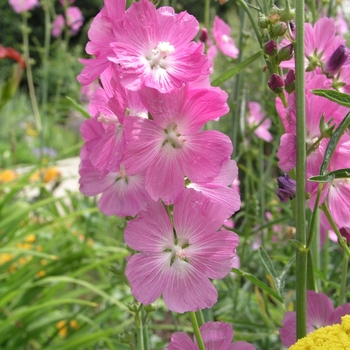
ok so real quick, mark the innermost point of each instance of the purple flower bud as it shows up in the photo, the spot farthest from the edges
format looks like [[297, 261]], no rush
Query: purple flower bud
[[336, 61], [204, 35], [276, 83], [270, 48], [286, 188], [285, 53], [289, 82], [345, 232]]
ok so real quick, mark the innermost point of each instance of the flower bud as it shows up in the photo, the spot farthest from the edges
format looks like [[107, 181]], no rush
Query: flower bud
[[336, 61], [286, 188], [289, 82], [204, 35], [326, 128], [270, 48], [276, 83], [263, 22], [285, 53], [279, 29]]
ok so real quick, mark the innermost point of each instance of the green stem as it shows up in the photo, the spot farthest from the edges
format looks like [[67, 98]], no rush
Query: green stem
[[196, 330], [25, 31], [200, 318], [313, 11], [301, 256], [139, 329], [341, 239], [206, 13], [252, 21], [344, 273]]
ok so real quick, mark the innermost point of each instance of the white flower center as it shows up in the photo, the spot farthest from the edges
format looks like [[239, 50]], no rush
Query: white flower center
[[159, 54], [180, 253], [107, 119], [225, 38], [173, 137]]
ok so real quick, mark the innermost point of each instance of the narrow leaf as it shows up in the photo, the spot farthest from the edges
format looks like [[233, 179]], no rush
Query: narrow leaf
[[336, 174], [269, 266], [235, 70], [79, 107], [333, 143], [333, 95], [282, 277], [258, 283]]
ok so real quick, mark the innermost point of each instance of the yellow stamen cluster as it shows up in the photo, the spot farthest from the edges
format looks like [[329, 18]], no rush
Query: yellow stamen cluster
[[335, 337]]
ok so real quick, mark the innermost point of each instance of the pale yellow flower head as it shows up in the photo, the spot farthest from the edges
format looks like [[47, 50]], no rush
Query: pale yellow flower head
[[335, 337]]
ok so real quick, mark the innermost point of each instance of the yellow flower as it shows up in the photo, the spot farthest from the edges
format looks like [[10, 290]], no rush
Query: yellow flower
[[74, 324], [41, 273], [335, 337], [62, 328], [51, 174], [7, 175], [30, 239]]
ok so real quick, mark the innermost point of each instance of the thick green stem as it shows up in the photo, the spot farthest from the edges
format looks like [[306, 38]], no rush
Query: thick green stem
[[196, 330], [139, 329], [344, 273], [25, 31], [301, 256]]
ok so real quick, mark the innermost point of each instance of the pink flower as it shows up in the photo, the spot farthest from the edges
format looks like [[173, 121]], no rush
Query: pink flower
[[101, 34], [74, 19], [215, 335], [341, 23], [23, 5], [178, 261], [171, 145], [320, 42], [152, 55], [218, 189], [319, 313], [122, 194], [255, 118], [225, 43], [57, 26]]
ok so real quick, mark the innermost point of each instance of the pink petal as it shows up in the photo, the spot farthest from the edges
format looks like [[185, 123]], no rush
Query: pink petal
[[319, 309], [151, 231], [204, 155], [181, 341], [216, 335], [287, 152], [187, 290], [148, 275], [288, 331]]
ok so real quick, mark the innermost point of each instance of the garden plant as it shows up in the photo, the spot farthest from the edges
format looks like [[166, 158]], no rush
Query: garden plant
[[211, 206]]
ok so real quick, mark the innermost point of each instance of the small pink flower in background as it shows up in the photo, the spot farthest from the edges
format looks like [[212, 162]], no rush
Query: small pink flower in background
[[178, 266], [319, 313], [255, 117], [225, 43], [58, 26], [74, 19], [341, 24], [20, 6], [215, 335]]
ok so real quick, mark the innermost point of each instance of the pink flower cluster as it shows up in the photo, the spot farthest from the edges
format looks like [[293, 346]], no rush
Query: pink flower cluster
[[73, 19], [147, 155], [331, 70]]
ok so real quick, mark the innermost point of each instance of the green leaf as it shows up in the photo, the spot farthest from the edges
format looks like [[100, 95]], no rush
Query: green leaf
[[329, 177], [269, 267], [283, 275], [297, 244], [333, 95], [237, 69], [79, 107], [333, 143], [258, 283]]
